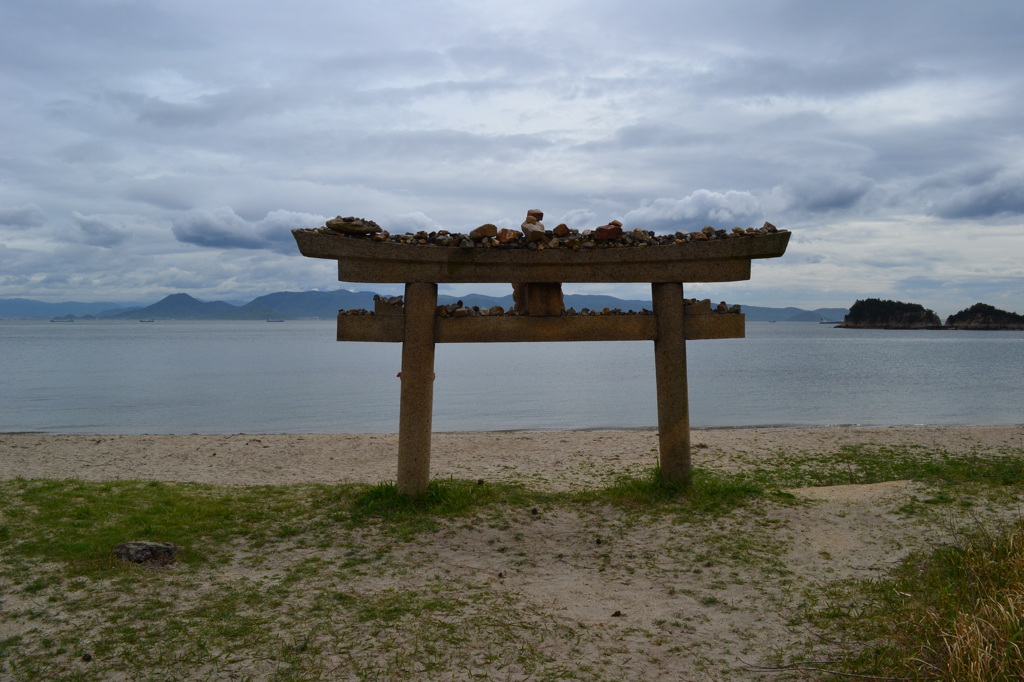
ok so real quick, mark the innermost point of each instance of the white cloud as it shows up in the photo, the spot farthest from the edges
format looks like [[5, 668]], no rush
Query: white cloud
[[721, 209]]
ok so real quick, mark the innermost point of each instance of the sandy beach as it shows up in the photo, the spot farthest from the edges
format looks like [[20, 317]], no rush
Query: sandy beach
[[595, 592], [548, 460]]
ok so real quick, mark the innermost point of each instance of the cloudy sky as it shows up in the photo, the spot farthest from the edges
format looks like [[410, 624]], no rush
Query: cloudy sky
[[150, 147]]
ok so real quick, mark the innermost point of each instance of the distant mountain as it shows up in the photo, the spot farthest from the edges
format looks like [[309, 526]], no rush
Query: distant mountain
[[180, 307], [758, 314], [577, 301], [323, 304], [296, 305], [24, 308]]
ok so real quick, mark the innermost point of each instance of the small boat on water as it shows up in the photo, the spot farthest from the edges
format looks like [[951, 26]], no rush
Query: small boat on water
[[148, 320], [275, 320]]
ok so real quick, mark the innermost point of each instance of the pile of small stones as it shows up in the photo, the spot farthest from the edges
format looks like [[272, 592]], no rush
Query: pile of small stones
[[533, 235], [693, 306]]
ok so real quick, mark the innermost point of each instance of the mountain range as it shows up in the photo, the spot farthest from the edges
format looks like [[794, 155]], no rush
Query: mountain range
[[296, 305]]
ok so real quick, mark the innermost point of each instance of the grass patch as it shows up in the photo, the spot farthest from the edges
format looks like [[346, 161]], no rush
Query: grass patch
[[709, 493], [953, 614], [316, 606], [78, 523], [866, 463], [405, 516]]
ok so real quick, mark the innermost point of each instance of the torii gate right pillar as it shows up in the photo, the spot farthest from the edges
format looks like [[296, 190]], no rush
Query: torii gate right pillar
[[670, 371]]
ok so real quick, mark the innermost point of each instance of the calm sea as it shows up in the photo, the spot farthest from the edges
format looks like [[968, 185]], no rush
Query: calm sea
[[292, 377]]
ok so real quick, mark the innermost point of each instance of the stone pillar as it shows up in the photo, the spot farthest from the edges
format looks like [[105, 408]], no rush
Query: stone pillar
[[538, 299], [670, 369], [417, 401]]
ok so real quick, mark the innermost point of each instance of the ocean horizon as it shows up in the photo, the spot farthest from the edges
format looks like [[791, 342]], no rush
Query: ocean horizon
[[253, 377]]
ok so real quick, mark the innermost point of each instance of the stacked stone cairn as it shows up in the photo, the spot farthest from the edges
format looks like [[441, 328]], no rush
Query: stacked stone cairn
[[533, 235], [394, 305]]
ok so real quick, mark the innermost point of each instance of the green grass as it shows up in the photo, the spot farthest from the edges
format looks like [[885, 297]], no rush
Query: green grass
[[866, 463], [78, 522]]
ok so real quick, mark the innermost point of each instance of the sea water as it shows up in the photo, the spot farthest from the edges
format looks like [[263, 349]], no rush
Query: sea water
[[293, 377]]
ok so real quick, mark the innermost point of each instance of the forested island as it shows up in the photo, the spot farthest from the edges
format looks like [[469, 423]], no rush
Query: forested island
[[985, 317], [874, 313]]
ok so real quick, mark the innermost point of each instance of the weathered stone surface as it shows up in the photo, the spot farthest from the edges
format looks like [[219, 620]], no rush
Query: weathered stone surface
[[607, 232], [387, 305], [143, 552], [576, 259], [561, 230], [722, 307], [506, 236], [485, 230], [695, 307], [352, 225], [535, 213], [534, 232], [538, 299]]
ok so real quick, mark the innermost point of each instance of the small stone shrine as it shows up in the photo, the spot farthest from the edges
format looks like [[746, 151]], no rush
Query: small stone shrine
[[536, 261]]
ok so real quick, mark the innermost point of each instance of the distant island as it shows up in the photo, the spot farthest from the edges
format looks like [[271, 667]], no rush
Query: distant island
[[982, 316], [874, 313], [324, 305]]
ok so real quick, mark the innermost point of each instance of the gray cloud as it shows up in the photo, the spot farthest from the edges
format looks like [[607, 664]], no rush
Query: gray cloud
[[22, 216], [186, 139], [98, 231], [825, 192], [222, 228], [1000, 195], [218, 109]]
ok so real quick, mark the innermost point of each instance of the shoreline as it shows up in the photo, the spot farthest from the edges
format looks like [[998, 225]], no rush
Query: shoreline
[[554, 460]]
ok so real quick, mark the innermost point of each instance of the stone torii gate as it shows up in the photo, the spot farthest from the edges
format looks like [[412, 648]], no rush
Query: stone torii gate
[[538, 275]]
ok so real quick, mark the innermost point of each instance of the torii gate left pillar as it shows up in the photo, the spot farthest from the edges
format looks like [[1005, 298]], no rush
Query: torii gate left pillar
[[416, 410]]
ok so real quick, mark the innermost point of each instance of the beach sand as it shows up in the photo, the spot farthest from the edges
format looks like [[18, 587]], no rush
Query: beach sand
[[643, 597], [548, 460]]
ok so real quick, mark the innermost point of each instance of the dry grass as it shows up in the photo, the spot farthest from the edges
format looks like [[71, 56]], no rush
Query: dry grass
[[981, 641], [951, 614]]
